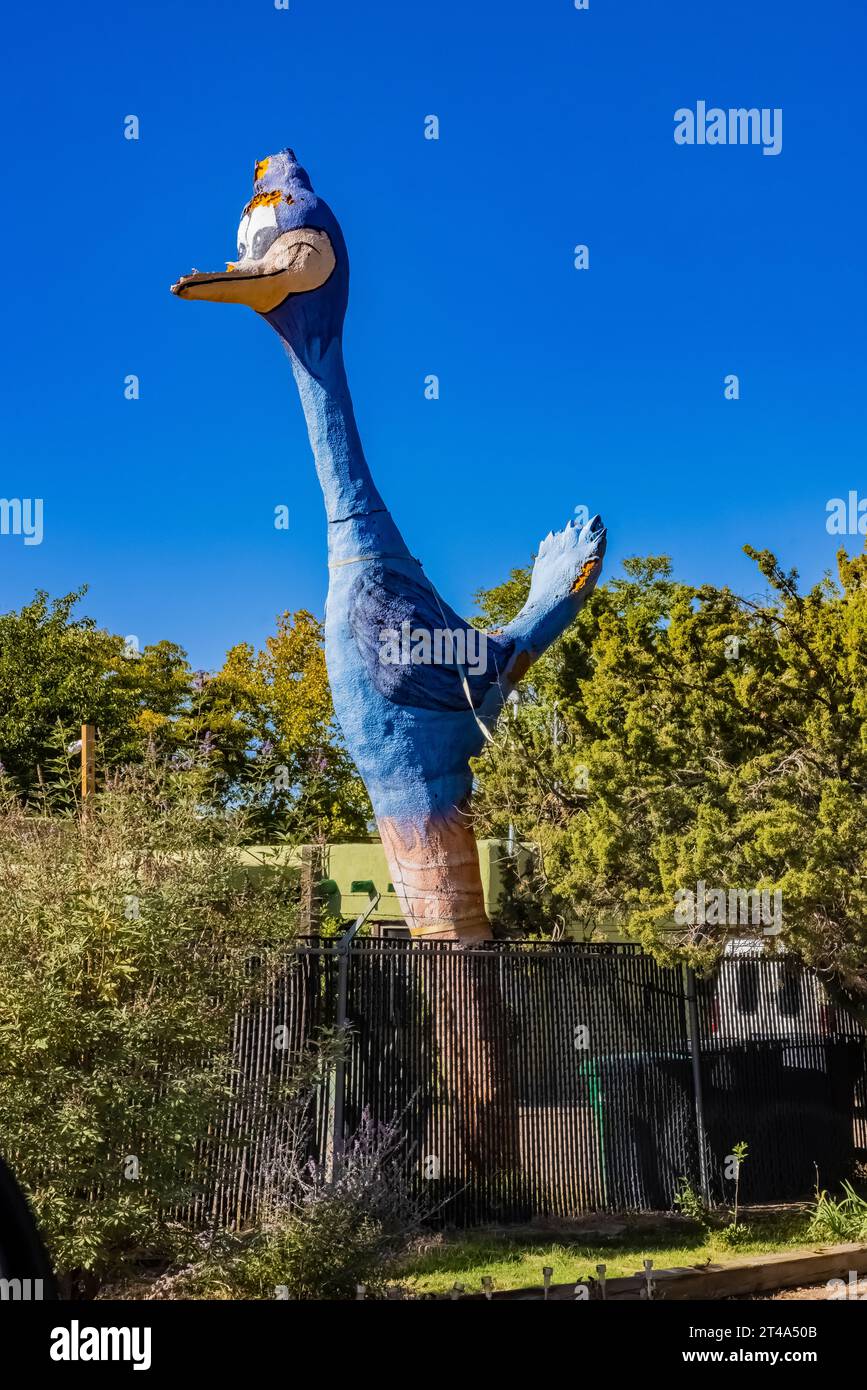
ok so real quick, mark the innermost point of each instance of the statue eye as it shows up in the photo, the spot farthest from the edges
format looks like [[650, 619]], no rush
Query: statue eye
[[243, 237], [260, 231], [261, 241]]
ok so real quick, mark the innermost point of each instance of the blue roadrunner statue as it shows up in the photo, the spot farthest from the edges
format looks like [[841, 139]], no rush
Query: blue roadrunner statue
[[416, 689]]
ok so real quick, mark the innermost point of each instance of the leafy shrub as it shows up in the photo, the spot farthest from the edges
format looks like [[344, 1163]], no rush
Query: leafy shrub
[[125, 942], [321, 1236], [840, 1220], [690, 1203], [735, 1234]]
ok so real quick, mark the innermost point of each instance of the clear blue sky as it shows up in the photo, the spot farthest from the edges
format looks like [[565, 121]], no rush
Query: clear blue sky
[[558, 387]]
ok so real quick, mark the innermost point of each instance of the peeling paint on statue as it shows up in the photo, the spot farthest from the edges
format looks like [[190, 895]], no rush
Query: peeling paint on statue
[[412, 728]]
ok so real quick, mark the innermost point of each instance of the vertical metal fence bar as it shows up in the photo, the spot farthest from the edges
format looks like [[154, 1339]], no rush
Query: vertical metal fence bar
[[695, 1051]]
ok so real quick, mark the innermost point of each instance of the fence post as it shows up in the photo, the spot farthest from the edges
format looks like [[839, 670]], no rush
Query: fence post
[[88, 761], [344, 947], [312, 869], [695, 1052]]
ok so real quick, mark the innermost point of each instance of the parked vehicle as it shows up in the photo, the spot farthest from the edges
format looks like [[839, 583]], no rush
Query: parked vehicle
[[781, 1068]]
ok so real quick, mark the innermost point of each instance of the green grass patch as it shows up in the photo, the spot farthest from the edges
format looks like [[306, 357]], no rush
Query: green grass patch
[[516, 1261]]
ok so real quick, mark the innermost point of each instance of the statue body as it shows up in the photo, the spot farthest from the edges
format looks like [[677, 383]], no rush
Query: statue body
[[412, 708]]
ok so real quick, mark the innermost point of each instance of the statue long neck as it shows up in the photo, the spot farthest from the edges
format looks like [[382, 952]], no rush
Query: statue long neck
[[359, 522]]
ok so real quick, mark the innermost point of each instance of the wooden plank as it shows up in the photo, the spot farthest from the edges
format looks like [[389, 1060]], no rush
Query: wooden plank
[[763, 1274], [734, 1279]]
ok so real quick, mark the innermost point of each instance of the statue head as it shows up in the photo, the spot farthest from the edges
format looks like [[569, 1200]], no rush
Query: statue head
[[292, 266]]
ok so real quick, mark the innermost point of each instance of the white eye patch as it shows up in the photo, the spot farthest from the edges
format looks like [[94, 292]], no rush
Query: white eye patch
[[242, 237], [256, 232]]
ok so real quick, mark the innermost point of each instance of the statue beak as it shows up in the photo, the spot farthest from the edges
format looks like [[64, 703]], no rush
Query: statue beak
[[299, 260]]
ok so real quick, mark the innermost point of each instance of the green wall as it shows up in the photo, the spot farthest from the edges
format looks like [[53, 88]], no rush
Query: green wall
[[352, 865]]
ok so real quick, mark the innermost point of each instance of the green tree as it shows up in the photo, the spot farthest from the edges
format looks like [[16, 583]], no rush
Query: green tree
[[312, 790], [680, 733], [265, 719], [60, 669]]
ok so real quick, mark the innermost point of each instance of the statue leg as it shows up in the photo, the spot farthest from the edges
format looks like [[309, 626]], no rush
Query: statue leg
[[435, 871]]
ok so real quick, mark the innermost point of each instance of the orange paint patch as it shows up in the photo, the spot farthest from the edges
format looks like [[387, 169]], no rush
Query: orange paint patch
[[586, 571], [267, 200], [261, 166]]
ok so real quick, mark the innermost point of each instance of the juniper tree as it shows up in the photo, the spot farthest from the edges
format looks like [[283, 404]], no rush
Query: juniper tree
[[680, 733]]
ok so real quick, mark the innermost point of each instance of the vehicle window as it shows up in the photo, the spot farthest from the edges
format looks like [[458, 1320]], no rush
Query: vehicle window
[[790, 993]]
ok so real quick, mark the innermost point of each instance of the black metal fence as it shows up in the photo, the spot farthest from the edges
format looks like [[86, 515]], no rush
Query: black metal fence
[[556, 1079]]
